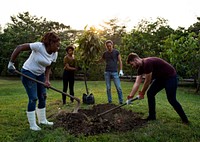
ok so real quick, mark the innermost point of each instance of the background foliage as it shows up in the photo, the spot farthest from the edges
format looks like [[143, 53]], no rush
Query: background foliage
[[179, 46]]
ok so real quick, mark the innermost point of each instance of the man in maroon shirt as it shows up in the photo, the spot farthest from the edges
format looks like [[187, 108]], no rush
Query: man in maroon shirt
[[158, 74]]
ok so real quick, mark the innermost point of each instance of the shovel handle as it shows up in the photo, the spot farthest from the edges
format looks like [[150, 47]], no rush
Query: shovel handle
[[40, 82], [103, 113]]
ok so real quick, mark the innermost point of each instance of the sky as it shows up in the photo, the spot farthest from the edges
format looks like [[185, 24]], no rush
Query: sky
[[79, 13]]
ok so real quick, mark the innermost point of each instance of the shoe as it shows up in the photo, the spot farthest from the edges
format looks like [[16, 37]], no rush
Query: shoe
[[64, 99], [71, 100], [149, 118], [186, 122], [121, 103]]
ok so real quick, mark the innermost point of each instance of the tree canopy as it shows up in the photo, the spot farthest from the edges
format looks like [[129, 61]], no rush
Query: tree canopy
[[178, 46]]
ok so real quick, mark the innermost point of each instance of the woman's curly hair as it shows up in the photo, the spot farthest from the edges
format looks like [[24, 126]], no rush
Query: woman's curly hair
[[49, 38]]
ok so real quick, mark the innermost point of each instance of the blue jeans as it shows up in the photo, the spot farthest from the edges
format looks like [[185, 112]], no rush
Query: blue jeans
[[113, 75], [34, 90]]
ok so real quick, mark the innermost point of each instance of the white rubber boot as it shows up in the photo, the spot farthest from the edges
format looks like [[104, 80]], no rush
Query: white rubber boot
[[41, 115], [32, 121]]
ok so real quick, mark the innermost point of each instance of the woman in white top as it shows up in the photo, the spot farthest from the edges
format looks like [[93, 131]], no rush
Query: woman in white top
[[37, 66]]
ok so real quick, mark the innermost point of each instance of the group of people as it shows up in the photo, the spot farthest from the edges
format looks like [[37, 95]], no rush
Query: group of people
[[158, 75]]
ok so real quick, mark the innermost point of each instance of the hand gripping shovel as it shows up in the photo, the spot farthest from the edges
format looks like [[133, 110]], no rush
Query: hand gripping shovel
[[78, 100], [112, 109]]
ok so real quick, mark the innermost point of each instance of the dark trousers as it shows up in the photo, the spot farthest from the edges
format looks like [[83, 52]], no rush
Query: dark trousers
[[170, 86], [68, 79]]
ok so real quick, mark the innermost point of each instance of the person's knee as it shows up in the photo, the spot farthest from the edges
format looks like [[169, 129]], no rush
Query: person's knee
[[172, 101], [42, 101], [32, 104], [108, 87], [34, 100], [119, 90], [44, 96]]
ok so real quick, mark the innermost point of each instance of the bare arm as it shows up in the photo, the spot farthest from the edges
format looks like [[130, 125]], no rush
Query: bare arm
[[147, 82], [18, 49], [120, 61], [136, 85], [47, 74], [67, 67]]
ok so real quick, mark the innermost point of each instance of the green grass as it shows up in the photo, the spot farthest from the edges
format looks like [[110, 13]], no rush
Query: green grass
[[14, 126]]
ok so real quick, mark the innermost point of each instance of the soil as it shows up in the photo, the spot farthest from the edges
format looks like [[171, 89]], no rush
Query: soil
[[86, 122]]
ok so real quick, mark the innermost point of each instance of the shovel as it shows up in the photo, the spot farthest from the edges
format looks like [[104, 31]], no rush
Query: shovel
[[78, 100], [112, 109]]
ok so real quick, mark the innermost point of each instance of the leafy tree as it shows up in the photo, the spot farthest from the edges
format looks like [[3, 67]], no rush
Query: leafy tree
[[195, 27], [89, 46], [153, 34], [24, 29], [146, 39], [113, 30], [184, 54]]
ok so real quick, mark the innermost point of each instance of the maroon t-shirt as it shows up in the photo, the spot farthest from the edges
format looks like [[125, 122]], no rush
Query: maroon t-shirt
[[159, 68]]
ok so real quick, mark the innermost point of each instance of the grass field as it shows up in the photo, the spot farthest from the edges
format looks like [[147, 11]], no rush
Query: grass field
[[14, 126]]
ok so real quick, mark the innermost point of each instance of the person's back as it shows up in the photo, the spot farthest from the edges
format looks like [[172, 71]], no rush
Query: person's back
[[159, 75], [159, 68]]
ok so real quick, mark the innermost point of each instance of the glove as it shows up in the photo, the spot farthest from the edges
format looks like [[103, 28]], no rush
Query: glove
[[129, 97], [121, 73], [128, 102], [11, 67], [140, 96]]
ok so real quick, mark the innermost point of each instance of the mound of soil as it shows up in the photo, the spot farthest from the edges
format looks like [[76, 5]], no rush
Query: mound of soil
[[87, 123]]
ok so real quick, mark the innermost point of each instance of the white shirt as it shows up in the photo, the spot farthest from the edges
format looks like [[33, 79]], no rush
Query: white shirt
[[39, 59]]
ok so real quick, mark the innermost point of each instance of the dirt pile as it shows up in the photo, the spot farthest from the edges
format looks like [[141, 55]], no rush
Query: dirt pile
[[87, 123]]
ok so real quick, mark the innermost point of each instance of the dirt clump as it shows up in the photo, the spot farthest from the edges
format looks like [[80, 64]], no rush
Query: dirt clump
[[87, 123]]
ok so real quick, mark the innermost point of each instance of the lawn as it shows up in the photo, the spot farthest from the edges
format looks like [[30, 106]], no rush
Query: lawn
[[14, 126]]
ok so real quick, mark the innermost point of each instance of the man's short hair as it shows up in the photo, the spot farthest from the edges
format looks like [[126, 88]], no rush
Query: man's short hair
[[131, 57], [108, 41]]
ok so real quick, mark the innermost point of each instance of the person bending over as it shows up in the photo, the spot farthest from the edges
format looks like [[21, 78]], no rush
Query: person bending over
[[37, 66], [159, 75]]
